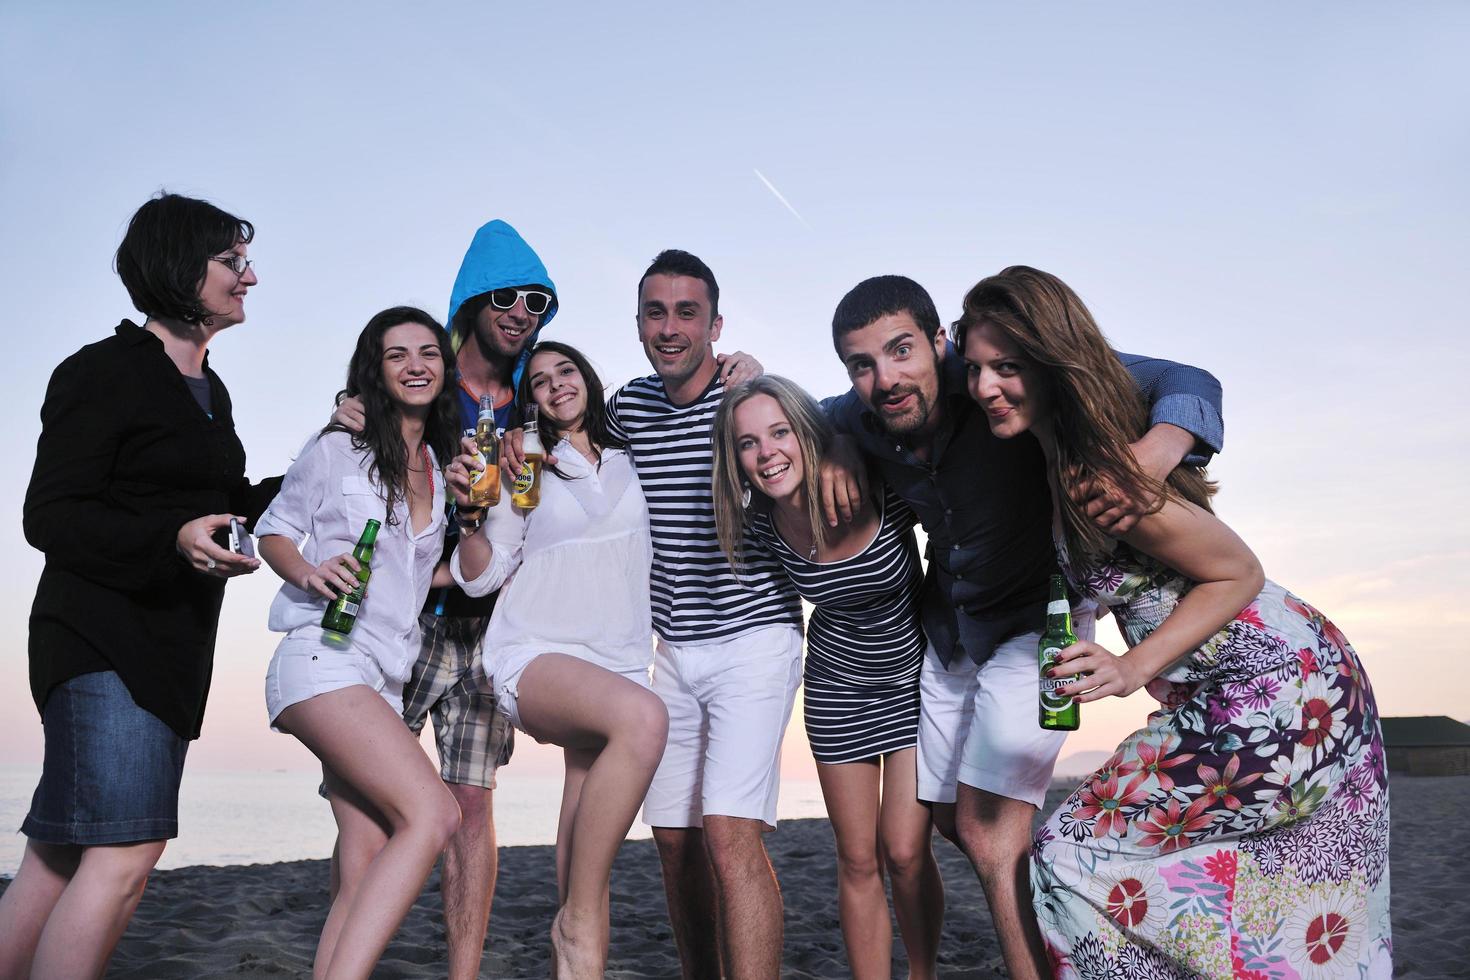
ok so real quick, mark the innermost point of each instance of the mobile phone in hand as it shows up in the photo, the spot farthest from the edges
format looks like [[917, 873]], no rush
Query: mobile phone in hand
[[240, 541]]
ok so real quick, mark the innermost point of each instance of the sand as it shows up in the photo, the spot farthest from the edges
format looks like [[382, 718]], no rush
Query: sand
[[262, 920]]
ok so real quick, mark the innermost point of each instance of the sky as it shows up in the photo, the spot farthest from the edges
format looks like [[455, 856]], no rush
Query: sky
[[1273, 192]]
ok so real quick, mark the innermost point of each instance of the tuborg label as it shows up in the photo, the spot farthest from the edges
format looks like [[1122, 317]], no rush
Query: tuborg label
[[1049, 698]]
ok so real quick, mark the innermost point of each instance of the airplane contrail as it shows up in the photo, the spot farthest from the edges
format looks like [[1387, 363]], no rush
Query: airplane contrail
[[782, 198]]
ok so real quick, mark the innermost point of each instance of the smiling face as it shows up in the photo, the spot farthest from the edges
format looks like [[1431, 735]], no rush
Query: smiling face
[[559, 390], [1005, 383], [413, 366], [769, 453], [503, 334], [222, 292], [894, 369], [676, 328]]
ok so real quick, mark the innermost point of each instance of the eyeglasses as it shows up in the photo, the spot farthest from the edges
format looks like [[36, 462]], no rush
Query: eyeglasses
[[238, 263], [537, 302]]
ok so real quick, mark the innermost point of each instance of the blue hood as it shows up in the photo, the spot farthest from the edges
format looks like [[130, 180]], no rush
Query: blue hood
[[498, 257]]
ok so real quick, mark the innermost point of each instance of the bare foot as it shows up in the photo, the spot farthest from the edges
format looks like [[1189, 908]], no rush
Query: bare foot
[[575, 957]]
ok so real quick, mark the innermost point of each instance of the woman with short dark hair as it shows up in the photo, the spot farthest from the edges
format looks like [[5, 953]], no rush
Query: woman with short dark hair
[[137, 469]]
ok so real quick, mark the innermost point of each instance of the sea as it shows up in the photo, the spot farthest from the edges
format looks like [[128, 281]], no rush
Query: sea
[[260, 817]]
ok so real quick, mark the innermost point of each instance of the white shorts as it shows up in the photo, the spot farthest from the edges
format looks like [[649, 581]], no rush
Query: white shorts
[[977, 725], [507, 680], [306, 666], [728, 704]]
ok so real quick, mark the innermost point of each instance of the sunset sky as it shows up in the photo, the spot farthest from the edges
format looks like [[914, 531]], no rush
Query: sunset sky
[[1275, 193]]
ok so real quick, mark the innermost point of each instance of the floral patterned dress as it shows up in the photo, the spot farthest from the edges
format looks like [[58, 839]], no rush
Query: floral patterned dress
[[1244, 832]]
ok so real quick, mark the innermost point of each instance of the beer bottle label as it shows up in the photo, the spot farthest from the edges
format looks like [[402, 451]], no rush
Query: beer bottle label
[[524, 479], [1050, 700], [349, 608]]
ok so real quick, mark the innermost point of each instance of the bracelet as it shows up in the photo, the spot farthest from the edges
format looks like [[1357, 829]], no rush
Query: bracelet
[[467, 523]]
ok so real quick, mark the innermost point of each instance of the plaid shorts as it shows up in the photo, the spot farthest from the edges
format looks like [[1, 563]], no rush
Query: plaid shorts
[[474, 738]]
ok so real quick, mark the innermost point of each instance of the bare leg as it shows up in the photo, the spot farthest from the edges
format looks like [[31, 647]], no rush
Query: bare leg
[[943, 816], [45, 871], [93, 912], [689, 887], [468, 880], [995, 832], [366, 745], [576, 704], [749, 896], [361, 836], [905, 830], [851, 793]]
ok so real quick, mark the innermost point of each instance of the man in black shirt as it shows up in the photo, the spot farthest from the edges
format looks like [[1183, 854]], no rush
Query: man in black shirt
[[984, 763]]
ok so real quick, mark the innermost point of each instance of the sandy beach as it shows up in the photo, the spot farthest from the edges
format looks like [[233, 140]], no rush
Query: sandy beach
[[263, 920]]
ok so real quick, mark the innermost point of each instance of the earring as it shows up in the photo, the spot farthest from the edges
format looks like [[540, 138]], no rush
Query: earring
[[744, 495]]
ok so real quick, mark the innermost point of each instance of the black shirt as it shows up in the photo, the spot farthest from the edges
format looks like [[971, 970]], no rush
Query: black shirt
[[985, 504], [127, 457]]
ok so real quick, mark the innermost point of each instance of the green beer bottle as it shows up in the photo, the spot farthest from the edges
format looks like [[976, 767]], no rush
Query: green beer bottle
[[1058, 713], [342, 611]]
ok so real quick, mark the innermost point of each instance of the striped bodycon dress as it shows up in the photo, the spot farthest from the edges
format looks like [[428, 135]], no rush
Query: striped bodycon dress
[[864, 641]]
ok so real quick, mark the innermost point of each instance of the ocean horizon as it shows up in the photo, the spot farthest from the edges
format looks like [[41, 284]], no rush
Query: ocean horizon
[[241, 817]]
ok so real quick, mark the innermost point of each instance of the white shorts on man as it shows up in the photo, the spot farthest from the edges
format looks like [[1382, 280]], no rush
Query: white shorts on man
[[977, 725], [728, 702]]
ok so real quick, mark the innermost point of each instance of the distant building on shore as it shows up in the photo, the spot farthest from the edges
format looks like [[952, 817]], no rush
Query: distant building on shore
[[1427, 745]]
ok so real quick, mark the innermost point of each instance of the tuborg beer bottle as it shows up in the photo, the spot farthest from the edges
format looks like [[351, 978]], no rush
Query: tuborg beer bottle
[[1058, 713], [342, 611], [485, 491], [526, 492]]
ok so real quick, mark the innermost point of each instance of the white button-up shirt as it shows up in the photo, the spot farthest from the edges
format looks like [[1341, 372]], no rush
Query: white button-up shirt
[[324, 504]]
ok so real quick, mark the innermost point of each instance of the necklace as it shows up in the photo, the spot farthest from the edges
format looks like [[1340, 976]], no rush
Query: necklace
[[811, 554], [426, 469]]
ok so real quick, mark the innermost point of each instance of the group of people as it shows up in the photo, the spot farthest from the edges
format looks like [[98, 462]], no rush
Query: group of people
[[646, 617]]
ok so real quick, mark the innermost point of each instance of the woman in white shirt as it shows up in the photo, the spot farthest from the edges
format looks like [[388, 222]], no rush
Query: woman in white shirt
[[341, 695], [570, 644]]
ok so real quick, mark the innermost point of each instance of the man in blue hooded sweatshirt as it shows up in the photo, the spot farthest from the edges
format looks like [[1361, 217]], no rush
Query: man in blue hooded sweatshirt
[[501, 299]]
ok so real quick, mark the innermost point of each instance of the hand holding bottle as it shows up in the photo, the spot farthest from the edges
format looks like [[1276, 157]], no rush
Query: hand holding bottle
[[332, 578]]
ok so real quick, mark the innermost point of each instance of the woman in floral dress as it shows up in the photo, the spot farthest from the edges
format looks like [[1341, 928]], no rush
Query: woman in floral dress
[[1244, 831]]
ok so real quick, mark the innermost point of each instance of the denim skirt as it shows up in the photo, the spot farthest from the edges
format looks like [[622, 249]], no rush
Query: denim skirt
[[111, 771]]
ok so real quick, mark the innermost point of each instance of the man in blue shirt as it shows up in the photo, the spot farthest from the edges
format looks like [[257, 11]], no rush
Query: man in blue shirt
[[984, 763]]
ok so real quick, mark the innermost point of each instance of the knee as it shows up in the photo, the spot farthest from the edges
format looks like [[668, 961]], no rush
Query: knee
[[905, 859], [641, 727], [123, 872], [992, 853], [857, 864], [733, 844], [440, 818]]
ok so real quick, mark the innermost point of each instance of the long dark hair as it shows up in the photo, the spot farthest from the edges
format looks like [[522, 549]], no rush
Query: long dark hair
[[382, 431], [1097, 411], [594, 420]]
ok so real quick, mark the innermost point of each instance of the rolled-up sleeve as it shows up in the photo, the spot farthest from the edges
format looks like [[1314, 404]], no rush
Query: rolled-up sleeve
[[291, 512], [506, 529], [1182, 395]]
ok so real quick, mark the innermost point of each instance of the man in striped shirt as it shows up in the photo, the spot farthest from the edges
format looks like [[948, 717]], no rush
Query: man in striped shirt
[[729, 647]]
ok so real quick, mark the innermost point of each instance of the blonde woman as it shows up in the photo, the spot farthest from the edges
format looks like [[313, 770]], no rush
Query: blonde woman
[[864, 651]]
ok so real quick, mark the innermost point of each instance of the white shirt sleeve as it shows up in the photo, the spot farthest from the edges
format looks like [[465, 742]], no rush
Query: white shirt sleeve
[[505, 527], [291, 513]]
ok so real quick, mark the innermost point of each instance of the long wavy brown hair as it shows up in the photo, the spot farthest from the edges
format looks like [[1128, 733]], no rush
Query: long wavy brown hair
[[1097, 409]]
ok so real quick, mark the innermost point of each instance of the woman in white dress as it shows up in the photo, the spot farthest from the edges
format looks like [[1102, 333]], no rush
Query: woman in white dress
[[342, 695], [570, 644]]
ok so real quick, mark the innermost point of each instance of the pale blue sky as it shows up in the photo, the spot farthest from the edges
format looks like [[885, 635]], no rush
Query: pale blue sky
[[1276, 193]]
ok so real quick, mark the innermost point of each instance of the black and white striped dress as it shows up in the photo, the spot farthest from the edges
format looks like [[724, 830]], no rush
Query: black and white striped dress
[[864, 644]]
